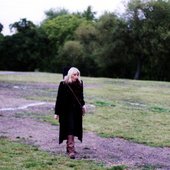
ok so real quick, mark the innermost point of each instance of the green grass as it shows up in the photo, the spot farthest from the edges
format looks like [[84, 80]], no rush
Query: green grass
[[35, 77], [134, 110], [17, 156]]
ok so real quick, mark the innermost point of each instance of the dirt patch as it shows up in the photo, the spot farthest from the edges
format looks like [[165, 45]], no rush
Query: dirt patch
[[16, 125]]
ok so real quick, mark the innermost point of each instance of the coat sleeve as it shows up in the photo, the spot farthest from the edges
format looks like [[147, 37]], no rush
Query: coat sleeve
[[82, 94], [59, 99]]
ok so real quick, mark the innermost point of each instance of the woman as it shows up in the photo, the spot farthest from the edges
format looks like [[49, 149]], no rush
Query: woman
[[69, 109]]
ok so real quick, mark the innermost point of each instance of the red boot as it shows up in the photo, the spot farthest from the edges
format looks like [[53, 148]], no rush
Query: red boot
[[70, 147]]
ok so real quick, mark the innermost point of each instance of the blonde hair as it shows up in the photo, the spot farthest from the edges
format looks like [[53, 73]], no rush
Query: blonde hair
[[71, 71]]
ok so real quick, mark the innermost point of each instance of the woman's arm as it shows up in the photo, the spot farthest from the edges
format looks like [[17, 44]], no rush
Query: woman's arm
[[82, 94], [59, 100]]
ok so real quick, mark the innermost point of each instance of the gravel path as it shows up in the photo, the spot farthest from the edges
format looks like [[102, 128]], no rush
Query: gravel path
[[112, 151], [16, 125]]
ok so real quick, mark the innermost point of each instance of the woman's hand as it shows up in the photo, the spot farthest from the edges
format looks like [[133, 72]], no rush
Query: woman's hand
[[84, 110], [56, 117]]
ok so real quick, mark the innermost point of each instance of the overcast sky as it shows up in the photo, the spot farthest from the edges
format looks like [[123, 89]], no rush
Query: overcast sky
[[13, 10]]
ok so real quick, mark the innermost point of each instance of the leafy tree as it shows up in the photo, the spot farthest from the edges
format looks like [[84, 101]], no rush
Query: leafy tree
[[53, 13], [112, 50], [1, 27], [1, 35], [86, 34], [25, 51], [71, 54], [60, 30], [157, 22], [22, 25], [135, 44], [89, 14], [137, 48], [149, 25]]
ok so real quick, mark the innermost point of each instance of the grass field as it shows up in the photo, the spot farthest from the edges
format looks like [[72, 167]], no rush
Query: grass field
[[17, 156], [134, 110]]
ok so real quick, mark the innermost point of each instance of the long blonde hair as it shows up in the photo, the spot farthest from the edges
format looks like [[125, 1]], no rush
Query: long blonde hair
[[71, 71]]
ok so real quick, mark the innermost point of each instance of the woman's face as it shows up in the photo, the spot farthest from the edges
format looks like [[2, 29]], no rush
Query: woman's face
[[74, 76]]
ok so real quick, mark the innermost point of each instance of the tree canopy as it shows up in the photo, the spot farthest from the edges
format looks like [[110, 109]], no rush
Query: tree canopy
[[133, 45]]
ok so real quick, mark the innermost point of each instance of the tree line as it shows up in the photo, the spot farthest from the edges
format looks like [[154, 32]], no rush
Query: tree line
[[134, 45]]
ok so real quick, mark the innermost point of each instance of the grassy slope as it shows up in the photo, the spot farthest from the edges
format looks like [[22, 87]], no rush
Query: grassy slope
[[135, 110]]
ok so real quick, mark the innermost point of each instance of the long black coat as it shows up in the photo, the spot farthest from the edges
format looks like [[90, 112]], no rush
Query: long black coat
[[69, 110]]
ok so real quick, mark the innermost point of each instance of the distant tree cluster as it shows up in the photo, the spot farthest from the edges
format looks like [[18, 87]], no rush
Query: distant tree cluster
[[133, 45]]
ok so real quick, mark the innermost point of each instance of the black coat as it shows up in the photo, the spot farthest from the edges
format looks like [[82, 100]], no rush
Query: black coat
[[69, 110]]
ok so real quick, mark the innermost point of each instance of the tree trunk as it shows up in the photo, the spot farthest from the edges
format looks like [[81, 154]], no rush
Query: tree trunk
[[138, 69]]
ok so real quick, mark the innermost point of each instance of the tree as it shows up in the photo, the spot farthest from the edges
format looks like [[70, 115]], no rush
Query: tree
[[22, 25], [71, 54], [135, 19], [1, 27], [53, 13], [111, 54], [148, 23], [1, 35], [59, 30], [89, 14], [86, 34], [25, 51], [157, 23]]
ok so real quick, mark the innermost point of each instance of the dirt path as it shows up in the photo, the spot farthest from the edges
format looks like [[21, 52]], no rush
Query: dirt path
[[112, 151], [16, 125]]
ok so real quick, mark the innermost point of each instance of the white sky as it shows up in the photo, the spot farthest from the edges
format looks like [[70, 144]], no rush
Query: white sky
[[13, 10]]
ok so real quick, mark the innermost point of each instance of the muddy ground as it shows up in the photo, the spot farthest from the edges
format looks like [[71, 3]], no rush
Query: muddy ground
[[17, 124]]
